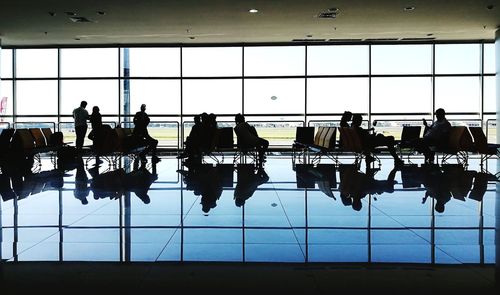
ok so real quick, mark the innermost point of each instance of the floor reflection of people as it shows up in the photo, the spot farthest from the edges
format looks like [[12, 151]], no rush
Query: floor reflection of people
[[323, 175], [355, 185], [82, 189], [205, 181], [248, 180]]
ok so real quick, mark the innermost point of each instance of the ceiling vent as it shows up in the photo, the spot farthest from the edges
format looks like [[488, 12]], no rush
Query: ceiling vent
[[328, 14], [80, 19]]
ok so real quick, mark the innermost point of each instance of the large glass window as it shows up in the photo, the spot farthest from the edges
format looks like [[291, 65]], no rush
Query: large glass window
[[336, 95], [401, 59], [6, 63], [101, 93], [401, 95], [154, 62], [337, 60], [274, 96], [36, 63], [458, 58], [36, 97], [89, 62], [489, 58], [458, 94], [275, 61], [211, 61], [490, 104], [212, 96], [160, 96]]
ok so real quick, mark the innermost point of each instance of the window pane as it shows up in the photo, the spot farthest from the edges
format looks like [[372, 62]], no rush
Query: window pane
[[401, 59], [489, 58], [458, 94], [457, 59], [6, 100], [337, 60], [212, 96], [160, 96], [275, 61], [154, 62], [36, 63], [335, 95], [101, 93], [6, 63], [274, 96], [401, 95], [490, 104], [89, 62], [222, 61], [36, 97]]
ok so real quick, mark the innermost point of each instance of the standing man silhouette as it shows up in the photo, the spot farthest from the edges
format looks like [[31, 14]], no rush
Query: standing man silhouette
[[80, 115], [141, 122]]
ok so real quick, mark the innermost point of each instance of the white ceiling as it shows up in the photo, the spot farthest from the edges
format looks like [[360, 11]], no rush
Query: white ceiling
[[28, 22]]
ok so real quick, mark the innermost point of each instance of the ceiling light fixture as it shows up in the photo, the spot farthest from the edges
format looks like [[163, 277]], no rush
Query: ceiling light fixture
[[51, 13], [253, 10], [70, 13], [490, 7], [101, 12], [409, 8]]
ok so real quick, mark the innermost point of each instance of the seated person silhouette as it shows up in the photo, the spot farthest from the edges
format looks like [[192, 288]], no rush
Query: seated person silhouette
[[434, 135], [193, 141], [248, 138], [141, 135], [248, 180], [344, 120], [370, 141]]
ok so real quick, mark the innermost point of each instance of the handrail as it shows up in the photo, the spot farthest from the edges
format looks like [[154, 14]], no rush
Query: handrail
[[8, 124], [34, 123], [301, 122], [112, 123]]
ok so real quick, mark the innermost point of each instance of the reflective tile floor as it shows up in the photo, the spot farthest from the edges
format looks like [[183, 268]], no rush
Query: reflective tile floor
[[282, 213]]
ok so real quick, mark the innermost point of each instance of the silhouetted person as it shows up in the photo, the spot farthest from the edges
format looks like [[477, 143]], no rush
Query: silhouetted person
[[140, 179], [80, 116], [204, 181], [248, 138], [96, 135], [193, 141], [81, 191], [346, 117], [247, 183], [435, 135], [371, 141], [141, 134]]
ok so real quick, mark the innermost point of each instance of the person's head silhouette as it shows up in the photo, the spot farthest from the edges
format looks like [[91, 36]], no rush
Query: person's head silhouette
[[83, 104], [143, 107], [239, 118], [95, 109], [357, 119], [346, 116], [440, 114]]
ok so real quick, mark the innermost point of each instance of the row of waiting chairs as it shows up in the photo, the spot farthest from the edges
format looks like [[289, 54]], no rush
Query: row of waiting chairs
[[462, 140]]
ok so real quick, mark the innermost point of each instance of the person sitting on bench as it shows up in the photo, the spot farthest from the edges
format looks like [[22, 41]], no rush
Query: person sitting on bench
[[248, 137]]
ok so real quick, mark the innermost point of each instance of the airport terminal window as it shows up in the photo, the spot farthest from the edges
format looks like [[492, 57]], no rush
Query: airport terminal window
[[401, 59], [275, 61], [36, 97], [489, 58], [338, 60], [36, 63], [160, 96], [153, 62], [211, 62], [401, 94], [489, 94], [212, 96], [458, 58], [335, 95], [450, 90], [101, 93], [274, 96], [6, 63], [89, 62], [6, 94]]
